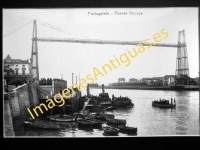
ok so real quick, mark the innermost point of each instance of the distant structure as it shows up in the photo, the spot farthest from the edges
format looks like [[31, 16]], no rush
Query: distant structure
[[133, 80], [168, 80], [182, 67], [155, 81], [93, 85], [16, 70], [121, 80], [34, 56]]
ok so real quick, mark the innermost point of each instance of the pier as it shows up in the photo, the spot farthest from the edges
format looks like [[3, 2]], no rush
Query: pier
[[26, 96]]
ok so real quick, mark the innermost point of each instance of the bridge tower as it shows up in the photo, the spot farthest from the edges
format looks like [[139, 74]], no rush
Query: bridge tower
[[34, 56], [182, 67]]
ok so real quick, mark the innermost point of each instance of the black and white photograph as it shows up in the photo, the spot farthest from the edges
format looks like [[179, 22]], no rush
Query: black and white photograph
[[100, 72]]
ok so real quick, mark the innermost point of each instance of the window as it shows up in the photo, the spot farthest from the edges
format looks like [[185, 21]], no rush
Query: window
[[16, 65], [16, 69], [23, 65], [23, 71], [16, 72]]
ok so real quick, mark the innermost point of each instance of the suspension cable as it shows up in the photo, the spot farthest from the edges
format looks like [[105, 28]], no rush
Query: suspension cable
[[17, 29], [59, 29]]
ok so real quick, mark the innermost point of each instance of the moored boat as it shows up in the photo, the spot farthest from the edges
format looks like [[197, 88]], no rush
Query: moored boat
[[116, 121], [110, 130], [63, 118], [127, 129], [164, 103], [84, 123], [39, 125], [111, 108], [79, 115], [104, 116], [95, 122], [122, 102], [103, 97], [89, 107], [105, 104]]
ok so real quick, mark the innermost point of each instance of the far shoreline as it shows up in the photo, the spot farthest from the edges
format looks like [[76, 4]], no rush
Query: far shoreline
[[185, 88]]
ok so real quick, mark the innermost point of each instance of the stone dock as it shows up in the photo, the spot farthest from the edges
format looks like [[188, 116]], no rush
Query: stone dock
[[26, 96]]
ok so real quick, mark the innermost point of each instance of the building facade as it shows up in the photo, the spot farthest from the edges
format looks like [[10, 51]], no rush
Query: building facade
[[168, 80], [121, 80], [155, 81], [133, 80], [16, 69]]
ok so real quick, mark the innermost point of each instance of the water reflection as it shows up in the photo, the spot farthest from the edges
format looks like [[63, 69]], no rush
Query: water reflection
[[182, 120]]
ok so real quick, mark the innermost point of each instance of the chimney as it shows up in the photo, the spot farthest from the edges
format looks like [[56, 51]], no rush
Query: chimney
[[103, 89], [88, 90]]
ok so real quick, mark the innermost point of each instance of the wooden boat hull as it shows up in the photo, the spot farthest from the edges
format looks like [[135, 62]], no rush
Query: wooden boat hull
[[95, 122], [111, 108], [41, 125], [84, 123], [78, 115], [130, 106], [62, 119], [122, 102], [116, 122], [128, 130], [163, 105], [103, 117], [110, 131]]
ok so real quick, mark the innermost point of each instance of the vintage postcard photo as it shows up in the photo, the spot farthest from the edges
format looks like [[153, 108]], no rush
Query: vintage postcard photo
[[101, 72]]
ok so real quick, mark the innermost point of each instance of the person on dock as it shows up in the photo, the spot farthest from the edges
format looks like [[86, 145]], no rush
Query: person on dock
[[171, 100], [174, 101]]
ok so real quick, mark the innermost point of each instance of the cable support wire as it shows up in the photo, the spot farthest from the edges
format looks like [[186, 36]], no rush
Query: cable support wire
[[17, 29], [60, 29], [55, 29]]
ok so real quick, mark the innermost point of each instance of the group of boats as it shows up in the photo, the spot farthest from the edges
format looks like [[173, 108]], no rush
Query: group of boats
[[105, 103], [163, 103], [105, 121], [108, 130], [94, 115]]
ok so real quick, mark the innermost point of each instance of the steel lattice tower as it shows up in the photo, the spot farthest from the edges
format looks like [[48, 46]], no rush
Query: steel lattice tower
[[182, 67], [34, 55]]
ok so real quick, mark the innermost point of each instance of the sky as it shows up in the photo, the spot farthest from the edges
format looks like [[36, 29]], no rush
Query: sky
[[60, 58]]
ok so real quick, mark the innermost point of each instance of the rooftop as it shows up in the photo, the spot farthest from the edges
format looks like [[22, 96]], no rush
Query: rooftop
[[9, 60]]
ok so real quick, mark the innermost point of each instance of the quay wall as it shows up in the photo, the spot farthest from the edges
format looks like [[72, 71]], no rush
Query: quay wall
[[8, 124], [55, 87], [19, 101], [47, 88], [21, 98], [71, 104]]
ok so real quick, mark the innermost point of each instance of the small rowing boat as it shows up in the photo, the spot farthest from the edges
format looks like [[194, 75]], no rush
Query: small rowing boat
[[84, 123], [127, 129], [64, 118], [110, 130]]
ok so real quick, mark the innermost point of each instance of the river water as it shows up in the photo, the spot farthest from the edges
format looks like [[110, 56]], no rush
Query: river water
[[150, 121]]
